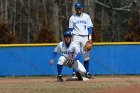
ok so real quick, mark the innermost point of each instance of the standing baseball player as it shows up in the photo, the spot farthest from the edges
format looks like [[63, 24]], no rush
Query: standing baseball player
[[80, 25], [69, 55]]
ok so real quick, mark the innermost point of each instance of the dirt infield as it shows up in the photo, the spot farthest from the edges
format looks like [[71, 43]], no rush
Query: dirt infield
[[128, 89], [101, 84]]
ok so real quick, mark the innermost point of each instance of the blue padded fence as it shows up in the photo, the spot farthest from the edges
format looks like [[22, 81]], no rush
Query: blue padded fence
[[34, 60]]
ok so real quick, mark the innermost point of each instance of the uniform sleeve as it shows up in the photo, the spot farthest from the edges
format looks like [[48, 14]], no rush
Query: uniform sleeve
[[54, 54], [77, 56], [70, 29], [89, 24], [78, 53], [70, 23], [57, 49], [90, 30]]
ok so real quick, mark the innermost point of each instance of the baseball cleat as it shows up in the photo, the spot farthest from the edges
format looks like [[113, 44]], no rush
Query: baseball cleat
[[90, 76], [74, 75], [79, 76], [59, 79]]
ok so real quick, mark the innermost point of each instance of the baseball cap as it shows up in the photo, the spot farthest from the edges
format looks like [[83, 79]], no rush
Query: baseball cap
[[67, 33], [78, 5]]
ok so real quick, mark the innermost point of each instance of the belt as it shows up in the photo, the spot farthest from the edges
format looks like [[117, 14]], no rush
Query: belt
[[80, 35]]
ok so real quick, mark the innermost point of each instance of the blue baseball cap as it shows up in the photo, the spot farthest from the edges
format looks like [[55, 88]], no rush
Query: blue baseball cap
[[78, 6], [67, 33]]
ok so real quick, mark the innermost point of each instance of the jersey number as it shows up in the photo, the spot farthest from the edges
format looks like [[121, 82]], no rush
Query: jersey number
[[85, 27]]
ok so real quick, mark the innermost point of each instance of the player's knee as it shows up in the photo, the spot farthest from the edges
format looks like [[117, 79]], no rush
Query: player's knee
[[83, 70], [61, 60]]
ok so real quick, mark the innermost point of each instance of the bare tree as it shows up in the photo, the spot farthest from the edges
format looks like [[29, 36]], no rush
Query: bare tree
[[44, 21]]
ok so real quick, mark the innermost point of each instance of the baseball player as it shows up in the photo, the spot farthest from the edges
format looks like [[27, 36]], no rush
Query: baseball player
[[68, 51], [80, 25]]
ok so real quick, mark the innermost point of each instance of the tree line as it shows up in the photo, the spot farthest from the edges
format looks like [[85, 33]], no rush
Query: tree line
[[44, 21]]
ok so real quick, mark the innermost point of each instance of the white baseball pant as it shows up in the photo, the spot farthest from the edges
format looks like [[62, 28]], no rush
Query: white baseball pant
[[77, 65], [81, 41]]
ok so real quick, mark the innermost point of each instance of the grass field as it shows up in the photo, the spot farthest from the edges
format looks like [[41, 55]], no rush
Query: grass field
[[48, 84]]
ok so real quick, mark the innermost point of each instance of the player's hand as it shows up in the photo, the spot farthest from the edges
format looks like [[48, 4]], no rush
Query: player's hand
[[51, 62]]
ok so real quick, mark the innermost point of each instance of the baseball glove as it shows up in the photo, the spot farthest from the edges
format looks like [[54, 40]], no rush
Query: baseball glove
[[68, 62], [88, 45]]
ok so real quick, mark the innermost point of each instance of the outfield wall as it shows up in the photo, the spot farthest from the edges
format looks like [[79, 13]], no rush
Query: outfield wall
[[34, 60]]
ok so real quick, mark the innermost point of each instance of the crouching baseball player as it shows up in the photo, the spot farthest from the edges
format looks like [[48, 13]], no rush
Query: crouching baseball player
[[69, 55]]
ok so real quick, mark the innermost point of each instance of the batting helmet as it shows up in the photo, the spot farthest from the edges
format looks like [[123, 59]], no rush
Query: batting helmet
[[67, 33], [78, 5]]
